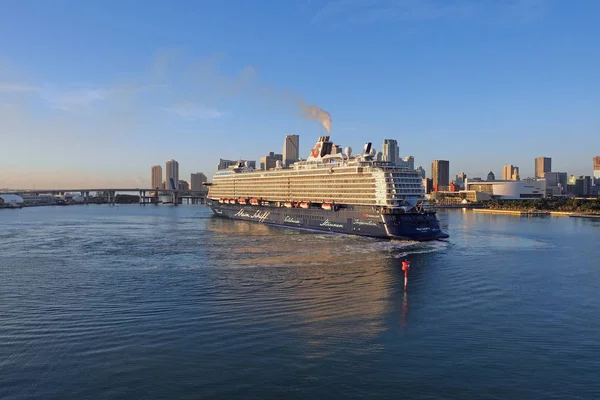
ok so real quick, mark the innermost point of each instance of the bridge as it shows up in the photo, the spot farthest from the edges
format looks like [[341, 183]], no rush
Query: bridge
[[146, 195]]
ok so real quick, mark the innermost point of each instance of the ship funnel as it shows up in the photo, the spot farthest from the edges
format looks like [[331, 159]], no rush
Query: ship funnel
[[368, 148], [348, 151]]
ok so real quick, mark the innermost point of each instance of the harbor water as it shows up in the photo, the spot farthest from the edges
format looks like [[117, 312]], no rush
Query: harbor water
[[100, 302]]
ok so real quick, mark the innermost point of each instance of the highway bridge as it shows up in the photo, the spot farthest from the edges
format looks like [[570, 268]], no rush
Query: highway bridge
[[146, 195]]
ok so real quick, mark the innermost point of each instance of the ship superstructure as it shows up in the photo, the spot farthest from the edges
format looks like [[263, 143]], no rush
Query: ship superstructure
[[332, 191]]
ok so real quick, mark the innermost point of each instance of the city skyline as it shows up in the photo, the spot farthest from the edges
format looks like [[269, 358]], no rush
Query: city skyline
[[480, 84]]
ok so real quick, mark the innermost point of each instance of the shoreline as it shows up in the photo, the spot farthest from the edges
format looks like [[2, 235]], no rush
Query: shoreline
[[537, 213]]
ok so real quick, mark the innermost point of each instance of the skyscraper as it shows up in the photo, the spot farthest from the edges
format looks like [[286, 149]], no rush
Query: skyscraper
[[460, 180], [172, 172], [197, 180], [542, 165], [597, 167], [491, 177], [156, 177], [507, 173], [440, 173], [291, 149], [390, 151], [270, 161], [410, 162], [421, 171]]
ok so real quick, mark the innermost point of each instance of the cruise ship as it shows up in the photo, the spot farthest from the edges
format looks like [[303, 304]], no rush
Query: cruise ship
[[330, 191]]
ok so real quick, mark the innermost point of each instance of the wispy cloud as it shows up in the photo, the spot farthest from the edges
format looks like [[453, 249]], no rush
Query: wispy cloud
[[72, 99], [369, 11], [193, 111], [7, 87]]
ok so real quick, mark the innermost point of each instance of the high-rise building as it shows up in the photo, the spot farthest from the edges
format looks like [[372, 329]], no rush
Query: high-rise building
[[183, 185], [156, 177], [461, 179], [270, 161], [491, 177], [440, 173], [291, 149], [579, 186], [172, 173], [410, 162], [224, 164], [597, 167], [510, 173], [421, 171], [390, 151], [542, 165], [197, 180], [379, 156]]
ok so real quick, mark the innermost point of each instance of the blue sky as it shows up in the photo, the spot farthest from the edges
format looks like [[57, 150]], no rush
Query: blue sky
[[94, 93]]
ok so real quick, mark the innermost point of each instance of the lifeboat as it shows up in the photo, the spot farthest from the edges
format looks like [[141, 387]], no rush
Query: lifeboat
[[242, 201], [254, 202], [327, 206], [288, 204], [221, 201], [232, 201], [304, 204]]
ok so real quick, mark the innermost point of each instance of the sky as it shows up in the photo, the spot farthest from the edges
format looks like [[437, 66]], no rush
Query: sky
[[93, 93]]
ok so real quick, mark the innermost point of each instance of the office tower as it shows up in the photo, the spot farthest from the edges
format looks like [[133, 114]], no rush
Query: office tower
[[224, 164], [421, 171], [291, 151], [172, 173], [410, 162], [579, 186], [542, 165], [156, 177], [270, 161], [515, 174], [440, 173], [390, 151], [460, 179], [597, 167], [183, 185], [197, 180], [491, 177]]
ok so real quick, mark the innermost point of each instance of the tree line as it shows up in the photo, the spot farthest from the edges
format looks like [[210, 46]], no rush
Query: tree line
[[548, 204]]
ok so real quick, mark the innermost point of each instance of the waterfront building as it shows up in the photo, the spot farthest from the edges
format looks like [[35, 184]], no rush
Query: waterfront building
[[542, 165], [270, 161], [440, 173], [597, 168], [172, 173], [421, 171], [409, 162], [197, 181], [491, 177], [390, 151], [291, 149], [510, 190], [460, 180], [579, 186], [183, 185], [556, 183], [510, 173], [156, 177], [224, 164], [428, 185], [379, 156]]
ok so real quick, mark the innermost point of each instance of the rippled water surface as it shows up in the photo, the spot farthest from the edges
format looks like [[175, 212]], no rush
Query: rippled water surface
[[160, 301]]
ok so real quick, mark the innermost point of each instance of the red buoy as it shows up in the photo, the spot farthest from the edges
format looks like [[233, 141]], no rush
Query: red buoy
[[405, 268]]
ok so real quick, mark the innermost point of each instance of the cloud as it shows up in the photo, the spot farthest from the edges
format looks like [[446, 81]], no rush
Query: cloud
[[193, 111], [17, 88], [67, 100], [370, 11]]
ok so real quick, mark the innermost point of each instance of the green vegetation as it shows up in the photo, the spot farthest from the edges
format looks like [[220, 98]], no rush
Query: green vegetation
[[548, 204]]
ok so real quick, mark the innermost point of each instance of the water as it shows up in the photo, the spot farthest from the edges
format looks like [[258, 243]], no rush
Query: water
[[121, 302]]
